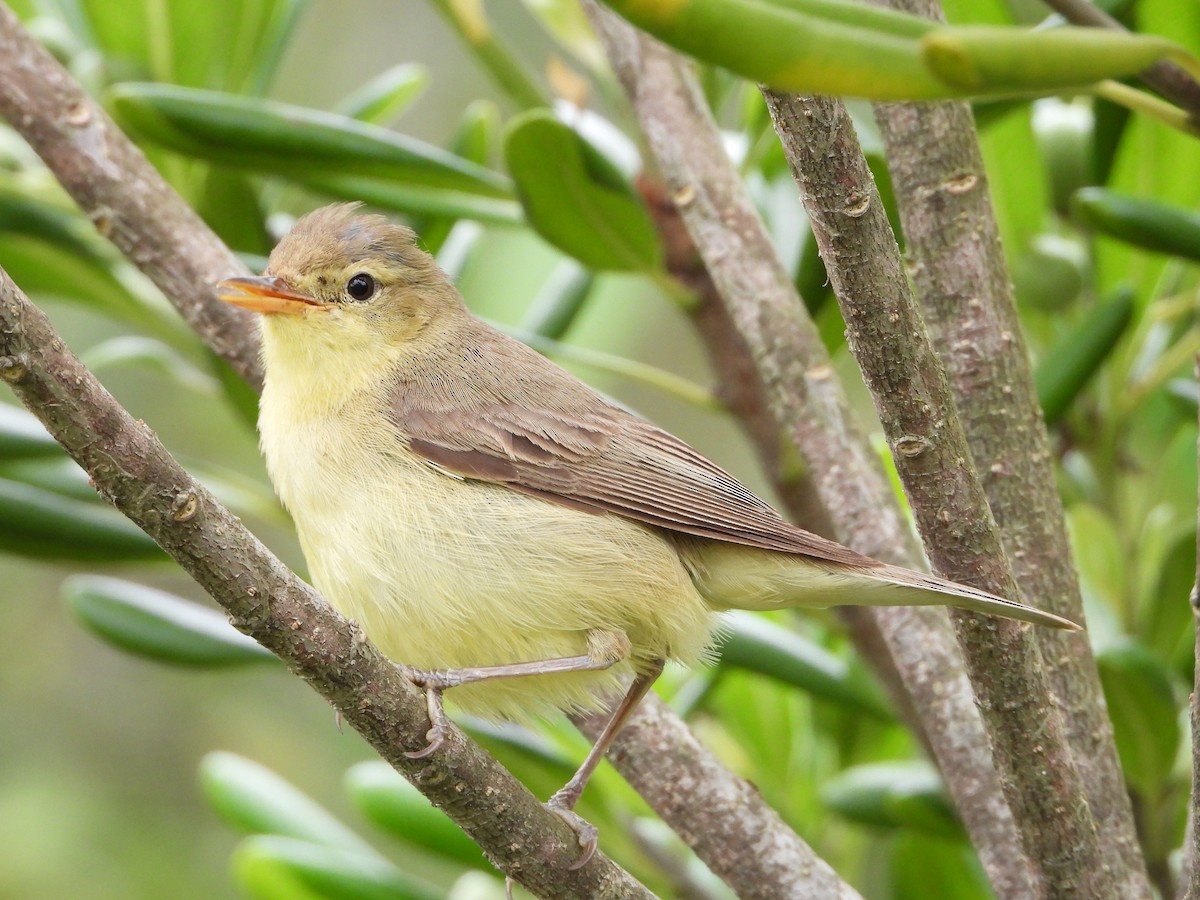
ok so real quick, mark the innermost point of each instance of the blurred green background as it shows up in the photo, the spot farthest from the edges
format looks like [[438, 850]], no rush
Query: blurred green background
[[99, 750]]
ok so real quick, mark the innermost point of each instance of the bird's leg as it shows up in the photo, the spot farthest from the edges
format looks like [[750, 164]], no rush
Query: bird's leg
[[605, 649], [564, 800]]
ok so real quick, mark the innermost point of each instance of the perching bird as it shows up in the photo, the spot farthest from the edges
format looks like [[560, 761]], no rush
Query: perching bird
[[480, 510]]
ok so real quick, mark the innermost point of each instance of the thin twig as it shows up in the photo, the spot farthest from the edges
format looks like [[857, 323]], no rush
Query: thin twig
[[126, 199], [805, 401], [885, 332], [131, 469], [961, 279], [1165, 77]]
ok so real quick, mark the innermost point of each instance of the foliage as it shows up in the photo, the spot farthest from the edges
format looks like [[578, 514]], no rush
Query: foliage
[[1096, 207]]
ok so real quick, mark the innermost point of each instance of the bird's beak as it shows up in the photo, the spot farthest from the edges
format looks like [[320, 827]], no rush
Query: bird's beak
[[264, 294]]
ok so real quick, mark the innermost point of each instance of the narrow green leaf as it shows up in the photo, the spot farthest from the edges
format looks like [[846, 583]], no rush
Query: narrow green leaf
[[1069, 365], [560, 301], [392, 804], [57, 474], [921, 866], [255, 799], [45, 525], [23, 436], [382, 99], [986, 59], [847, 49], [1064, 132], [893, 795], [1144, 223], [414, 198], [470, 21], [815, 46], [576, 199], [292, 141], [270, 867], [158, 625], [1167, 612], [1141, 703], [761, 646]]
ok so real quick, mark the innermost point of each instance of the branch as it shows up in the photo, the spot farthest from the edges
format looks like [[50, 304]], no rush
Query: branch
[[961, 280], [1166, 77], [807, 403], [132, 470], [885, 333], [126, 199], [186, 262], [739, 837]]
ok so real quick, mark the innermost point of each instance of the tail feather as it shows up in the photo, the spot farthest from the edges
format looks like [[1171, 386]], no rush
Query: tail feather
[[965, 597], [729, 576]]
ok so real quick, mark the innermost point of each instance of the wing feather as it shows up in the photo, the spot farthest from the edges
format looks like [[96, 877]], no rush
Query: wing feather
[[603, 459]]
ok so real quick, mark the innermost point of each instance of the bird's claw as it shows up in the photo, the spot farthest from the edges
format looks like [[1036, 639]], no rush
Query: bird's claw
[[589, 836], [439, 728]]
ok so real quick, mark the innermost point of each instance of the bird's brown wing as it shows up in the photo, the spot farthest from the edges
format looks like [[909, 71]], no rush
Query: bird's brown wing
[[605, 460]]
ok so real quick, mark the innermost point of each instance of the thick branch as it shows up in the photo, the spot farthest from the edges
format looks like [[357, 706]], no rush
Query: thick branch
[[961, 279], [131, 468], [906, 379], [809, 407], [126, 199]]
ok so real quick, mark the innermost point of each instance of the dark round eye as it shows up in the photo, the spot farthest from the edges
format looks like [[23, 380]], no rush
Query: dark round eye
[[361, 286]]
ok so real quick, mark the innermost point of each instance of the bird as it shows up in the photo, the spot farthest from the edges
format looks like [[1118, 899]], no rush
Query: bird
[[497, 527]]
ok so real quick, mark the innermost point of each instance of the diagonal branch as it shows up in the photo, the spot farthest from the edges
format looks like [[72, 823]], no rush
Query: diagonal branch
[[809, 406], [126, 199], [131, 469], [887, 336]]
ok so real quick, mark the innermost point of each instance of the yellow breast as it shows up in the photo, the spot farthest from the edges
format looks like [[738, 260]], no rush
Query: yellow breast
[[444, 573]]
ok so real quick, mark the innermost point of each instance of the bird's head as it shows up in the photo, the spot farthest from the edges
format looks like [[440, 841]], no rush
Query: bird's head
[[349, 283]]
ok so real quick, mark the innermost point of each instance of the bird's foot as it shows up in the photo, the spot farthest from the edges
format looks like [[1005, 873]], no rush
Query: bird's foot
[[589, 837], [439, 722]]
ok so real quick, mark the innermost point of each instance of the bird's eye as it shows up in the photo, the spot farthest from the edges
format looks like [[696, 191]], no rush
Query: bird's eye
[[361, 286]]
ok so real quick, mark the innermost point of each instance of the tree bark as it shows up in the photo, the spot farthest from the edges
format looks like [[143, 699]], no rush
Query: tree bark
[[887, 336]]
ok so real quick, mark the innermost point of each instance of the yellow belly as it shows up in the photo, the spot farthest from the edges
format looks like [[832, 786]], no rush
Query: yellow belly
[[443, 573]]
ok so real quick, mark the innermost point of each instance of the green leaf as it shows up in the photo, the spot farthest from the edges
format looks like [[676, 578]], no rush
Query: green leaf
[[760, 646], [1067, 367], [415, 198], [44, 525], [847, 49], [253, 798], [922, 866], [389, 802], [158, 625], [984, 59], [382, 99], [23, 436], [270, 867], [576, 199], [1144, 223], [893, 795], [1166, 610], [560, 301], [57, 474], [1141, 703], [308, 146]]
